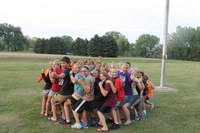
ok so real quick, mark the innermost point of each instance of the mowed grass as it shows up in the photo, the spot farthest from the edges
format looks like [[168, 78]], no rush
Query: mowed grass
[[20, 96]]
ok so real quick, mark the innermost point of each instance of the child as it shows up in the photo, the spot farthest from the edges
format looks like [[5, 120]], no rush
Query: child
[[47, 87], [56, 86], [150, 87], [120, 95]]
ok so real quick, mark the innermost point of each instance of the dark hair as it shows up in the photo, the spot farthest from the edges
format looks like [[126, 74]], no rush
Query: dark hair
[[128, 63], [142, 73], [98, 70], [66, 59], [86, 67]]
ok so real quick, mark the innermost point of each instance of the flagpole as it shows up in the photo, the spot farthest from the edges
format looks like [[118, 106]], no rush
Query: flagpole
[[164, 52]]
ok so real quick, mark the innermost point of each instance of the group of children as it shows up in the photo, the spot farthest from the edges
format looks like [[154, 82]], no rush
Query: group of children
[[89, 89]]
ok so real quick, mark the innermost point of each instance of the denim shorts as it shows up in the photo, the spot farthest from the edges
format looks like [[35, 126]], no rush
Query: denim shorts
[[129, 99], [46, 92]]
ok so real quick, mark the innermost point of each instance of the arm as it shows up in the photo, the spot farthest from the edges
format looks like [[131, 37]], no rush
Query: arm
[[58, 76], [86, 85], [73, 79], [114, 90], [44, 77], [112, 65]]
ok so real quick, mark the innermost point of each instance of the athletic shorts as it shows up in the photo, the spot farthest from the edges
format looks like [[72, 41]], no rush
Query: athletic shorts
[[72, 100], [94, 105], [80, 105]]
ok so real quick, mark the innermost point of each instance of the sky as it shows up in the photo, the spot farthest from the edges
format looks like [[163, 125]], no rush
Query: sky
[[85, 18]]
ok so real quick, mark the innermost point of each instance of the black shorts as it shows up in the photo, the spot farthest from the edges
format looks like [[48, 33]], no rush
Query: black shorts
[[104, 109], [94, 105], [72, 100], [80, 105]]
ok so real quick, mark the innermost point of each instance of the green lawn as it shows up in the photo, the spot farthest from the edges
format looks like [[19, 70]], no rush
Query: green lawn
[[20, 96]]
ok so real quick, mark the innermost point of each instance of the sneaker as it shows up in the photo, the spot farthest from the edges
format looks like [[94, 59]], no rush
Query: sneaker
[[152, 107], [76, 125], [64, 122], [93, 123], [135, 118], [114, 126], [144, 113], [84, 125]]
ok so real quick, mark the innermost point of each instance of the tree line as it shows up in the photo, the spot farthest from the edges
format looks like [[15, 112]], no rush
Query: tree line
[[184, 44]]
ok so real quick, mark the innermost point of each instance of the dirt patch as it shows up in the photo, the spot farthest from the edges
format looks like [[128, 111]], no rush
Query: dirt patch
[[165, 89]]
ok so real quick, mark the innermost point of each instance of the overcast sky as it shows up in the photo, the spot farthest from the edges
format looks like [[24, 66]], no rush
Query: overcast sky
[[85, 18]]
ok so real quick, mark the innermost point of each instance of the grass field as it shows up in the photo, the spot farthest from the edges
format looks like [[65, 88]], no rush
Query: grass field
[[20, 96]]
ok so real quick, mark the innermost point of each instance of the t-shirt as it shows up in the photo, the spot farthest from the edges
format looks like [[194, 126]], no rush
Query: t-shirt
[[149, 89], [89, 81], [47, 80], [67, 86], [97, 92], [135, 93], [127, 82], [120, 89], [78, 89], [56, 87], [111, 99]]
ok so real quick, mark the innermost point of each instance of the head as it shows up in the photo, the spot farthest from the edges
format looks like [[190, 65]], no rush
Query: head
[[120, 66], [76, 68], [98, 65], [140, 75], [104, 76], [135, 72], [129, 64], [85, 70], [56, 64], [145, 77], [114, 72], [105, 65], [91, 65], [125, 68], [96, 72], [51, 65], [65, 62]]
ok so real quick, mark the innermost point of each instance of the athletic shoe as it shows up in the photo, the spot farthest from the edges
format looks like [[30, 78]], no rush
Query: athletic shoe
[[76, 125], [84, 125], [114, 126], [64, 122], [152, 107]]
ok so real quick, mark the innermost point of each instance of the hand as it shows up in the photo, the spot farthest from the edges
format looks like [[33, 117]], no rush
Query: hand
[[71, 72], [108, 81], [80, 81], [112, 65], [100, 83]]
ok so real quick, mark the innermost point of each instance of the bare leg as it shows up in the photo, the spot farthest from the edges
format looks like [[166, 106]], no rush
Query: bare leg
[[44, 100], [66, 110], [54, 117], [114, 114], [127, 113], [84, 115], [48, 103], [102, 120]]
